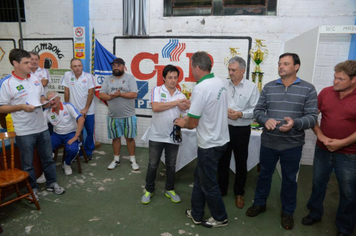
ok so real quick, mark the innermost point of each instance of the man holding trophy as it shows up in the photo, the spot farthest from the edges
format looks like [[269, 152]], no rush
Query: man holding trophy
[[167, 104]]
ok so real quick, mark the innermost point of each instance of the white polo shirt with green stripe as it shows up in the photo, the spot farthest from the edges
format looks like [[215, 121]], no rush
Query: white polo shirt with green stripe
[[209, 105]]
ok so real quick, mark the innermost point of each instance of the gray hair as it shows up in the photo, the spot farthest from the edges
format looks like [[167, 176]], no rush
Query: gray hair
[[52, 92], [240, 60], [202, 60]]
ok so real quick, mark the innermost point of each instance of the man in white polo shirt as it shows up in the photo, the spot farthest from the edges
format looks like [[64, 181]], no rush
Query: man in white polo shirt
[[21, 94], [41, 73], [79, 90], [167, 103], [208, 113], [64, 118]]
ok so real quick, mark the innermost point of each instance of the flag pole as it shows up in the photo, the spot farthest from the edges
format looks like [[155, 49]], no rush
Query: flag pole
[[92, 51]]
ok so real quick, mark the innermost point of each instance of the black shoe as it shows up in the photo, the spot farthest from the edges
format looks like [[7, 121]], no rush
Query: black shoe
[[255, 210], [308, 220], [287, 221], [342, 234]]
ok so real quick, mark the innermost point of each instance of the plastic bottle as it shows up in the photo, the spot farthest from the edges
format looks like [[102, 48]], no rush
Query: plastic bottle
[[9, 124]]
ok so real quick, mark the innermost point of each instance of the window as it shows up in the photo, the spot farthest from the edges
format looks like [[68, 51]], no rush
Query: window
[[8, 11], [219, 7]]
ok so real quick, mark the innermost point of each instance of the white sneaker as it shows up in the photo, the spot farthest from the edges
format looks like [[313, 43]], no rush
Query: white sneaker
[[113, 165], [35, 192], [134, 165], [67, 169], [41, 179]]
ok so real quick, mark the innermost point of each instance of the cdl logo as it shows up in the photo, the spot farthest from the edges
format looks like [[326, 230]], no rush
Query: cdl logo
[[173, 49], [157, 70]]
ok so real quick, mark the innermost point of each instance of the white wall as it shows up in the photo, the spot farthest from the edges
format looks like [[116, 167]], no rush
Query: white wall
[[54, 19]]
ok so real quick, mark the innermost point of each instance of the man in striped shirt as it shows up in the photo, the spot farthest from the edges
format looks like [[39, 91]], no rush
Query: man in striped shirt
[[286, 107]]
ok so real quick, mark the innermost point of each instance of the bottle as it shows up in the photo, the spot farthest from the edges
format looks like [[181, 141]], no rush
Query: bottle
[[9, 124]]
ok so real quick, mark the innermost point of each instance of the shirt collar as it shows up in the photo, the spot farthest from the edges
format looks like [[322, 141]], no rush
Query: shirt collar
[[208, 76], [13, 74], [60, 109], [279, 81], [241, 82], [164, 88]]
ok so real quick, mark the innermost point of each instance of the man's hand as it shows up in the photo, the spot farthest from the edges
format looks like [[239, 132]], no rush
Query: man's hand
[[115, 94], [271, 124], [72, 140], [44, 82], [28, 108], [288, 126], [180, 122], [233, 115], [183, 104], [84, 112], [334, 144]]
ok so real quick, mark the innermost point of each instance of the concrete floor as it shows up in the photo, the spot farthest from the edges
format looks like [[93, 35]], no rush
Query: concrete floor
[[103, 202]]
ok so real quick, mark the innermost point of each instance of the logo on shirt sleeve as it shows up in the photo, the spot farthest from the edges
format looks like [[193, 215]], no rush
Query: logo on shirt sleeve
[[53, 117], [163, 95]]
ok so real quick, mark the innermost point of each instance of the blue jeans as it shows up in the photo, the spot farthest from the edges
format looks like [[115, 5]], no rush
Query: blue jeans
[[71, 150], [155, 152], [89, 142], [42, 141], [345, 170], [206, 187], [289, 159]]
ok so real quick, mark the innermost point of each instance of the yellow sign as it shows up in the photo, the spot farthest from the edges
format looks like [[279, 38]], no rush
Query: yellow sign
[[79, 50]]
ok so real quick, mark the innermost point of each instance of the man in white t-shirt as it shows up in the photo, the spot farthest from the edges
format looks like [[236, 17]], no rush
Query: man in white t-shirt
[[79, 88], [41, 73], [21, 94], [208, 114], [64, 118], [167, 103]]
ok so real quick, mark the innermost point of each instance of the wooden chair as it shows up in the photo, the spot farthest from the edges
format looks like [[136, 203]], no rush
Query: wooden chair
[[11, 176], [77, 157]]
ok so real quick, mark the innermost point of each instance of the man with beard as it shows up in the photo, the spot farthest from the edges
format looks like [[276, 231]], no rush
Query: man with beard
[[336, 149], [120, 91], [286, 107], [79, 90]]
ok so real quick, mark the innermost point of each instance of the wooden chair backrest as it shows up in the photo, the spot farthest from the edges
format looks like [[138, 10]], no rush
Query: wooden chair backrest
[[11, 136]]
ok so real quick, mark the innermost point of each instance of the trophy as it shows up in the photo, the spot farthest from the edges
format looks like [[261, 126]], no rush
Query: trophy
[[233, 53], [186, 91], [258, 54]]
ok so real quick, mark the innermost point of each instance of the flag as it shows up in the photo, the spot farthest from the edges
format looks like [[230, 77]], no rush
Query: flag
[[102, 65]]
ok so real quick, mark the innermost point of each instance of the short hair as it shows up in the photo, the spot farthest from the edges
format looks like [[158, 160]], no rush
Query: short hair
[[348, 67], [52, 92], [240, 60], [17, 54], [35, 54], [73, 59], [169, 68], [202, 60], [295, 57]]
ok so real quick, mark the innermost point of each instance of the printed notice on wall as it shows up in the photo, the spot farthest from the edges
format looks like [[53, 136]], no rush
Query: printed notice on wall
[[79, 42]]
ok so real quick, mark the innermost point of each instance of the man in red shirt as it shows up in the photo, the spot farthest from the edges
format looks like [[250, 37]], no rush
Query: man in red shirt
[[336, 149]]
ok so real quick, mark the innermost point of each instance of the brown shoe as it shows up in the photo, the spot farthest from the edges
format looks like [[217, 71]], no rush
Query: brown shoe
[[240, 202]]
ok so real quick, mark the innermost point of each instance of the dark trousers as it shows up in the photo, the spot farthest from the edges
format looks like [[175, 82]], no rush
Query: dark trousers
[[206, 188], [155, 153], [289, 159], [239, 140]]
